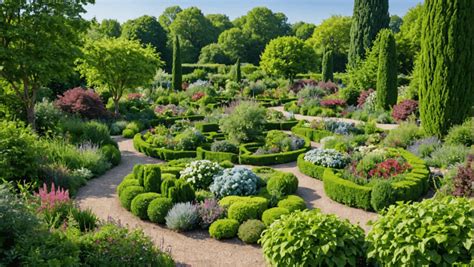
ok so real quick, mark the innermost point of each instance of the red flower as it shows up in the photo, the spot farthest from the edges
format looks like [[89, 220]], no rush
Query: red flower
[[198, 96], [388, 168]]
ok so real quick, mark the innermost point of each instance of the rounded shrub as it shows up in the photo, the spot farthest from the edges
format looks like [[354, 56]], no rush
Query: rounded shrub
[[382, 195], [139, 205], [250, 231], [282, 182], [128, 194], [261, 202], [310, 238], [158, 209], [200, 173], [167, 176], [435, 232], [138, 170], [235, 181], [224, 228], [461, 134], [273, 214], [112, 154], [242, 211], [182, 217], [126, 183], [152, 178], [292, 203], [226, 164]]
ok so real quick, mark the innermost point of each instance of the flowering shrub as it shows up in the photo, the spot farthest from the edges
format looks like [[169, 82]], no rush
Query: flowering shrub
[[339, 127], [200, 173], [464, 179], [197, 96], [332, 103], [55, 197], [189, 139], [278, 141], [300, 84], [363, 97], [425, 146], [388, 168], [85, 103], [328, 86], [134, 96], [224, 146], [404, 109], [327, 158], [209, 211], [235, 181]]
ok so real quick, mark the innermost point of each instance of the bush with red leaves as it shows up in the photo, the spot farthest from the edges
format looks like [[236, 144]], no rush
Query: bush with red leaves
[[134, 96], [332, 103], [404, 109], [197, 96], [300, 84], [464, 179], [85, 103], [363, 97], [388, 168], [328, 86]]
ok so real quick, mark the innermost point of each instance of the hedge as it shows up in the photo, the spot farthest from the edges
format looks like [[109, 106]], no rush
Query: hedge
[[158, 152], [168, 121], [312, 134], [284, 125], [309, 168], [247, 157], [206, 127], [345, 191], [202, 153]]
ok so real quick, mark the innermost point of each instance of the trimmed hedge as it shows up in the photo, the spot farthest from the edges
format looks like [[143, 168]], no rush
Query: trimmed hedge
[[159, 152], [126, 183], [345, 191], [228, 201], [158, 209], [216, 156], [284, 125], [224, 228], [292, 203], [205, 127], [242, 211], [309, 168], [139, 205], [168, 121], [250, 231], [312, 134], [283, 182], [128, 194]]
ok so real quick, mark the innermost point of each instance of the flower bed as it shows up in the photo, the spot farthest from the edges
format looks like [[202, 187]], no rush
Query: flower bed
[[158, 152]]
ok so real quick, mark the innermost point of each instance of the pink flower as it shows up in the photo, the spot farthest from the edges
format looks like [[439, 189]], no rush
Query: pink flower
[[52, 198]]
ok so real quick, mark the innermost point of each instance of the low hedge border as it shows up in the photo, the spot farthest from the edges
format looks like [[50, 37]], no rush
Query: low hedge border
[[312, 134], [168, 121], [414, 186], [206, 127], [284, 125], [158, 152], [310, 169], [203, 153]]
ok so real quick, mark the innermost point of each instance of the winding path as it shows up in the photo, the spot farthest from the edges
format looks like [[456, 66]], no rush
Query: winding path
[[196, 248]]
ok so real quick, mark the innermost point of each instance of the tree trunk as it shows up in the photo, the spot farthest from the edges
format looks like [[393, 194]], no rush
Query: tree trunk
[[116, 107], [30, 115]]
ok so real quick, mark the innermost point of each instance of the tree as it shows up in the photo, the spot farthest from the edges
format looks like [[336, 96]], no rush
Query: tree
[[387, 71], [117, 65], [303, 30], [235, 43], [168, 16], [395, 23], [370, 16], [38, 43], [107, 28], [237, 73], [177, 71], [147, 30], [213, 53], [408, 38], [220, 23], [328, 66], [287, 56], [447, 64]]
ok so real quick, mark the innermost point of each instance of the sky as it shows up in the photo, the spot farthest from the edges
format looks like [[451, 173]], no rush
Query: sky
[[313, 11]]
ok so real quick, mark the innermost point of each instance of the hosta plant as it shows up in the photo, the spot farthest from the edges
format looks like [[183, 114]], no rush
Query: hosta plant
[[327, 158], [200, 173]]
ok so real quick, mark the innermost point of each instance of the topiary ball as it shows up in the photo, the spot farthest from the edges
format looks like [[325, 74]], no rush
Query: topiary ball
[[224, 228], [126, 183], [152, 178], [158, 209], [282, 182], [139, 205], [292, 203], [112, 154], [250, 231], [128, 194], [273, 214], [242, 211]]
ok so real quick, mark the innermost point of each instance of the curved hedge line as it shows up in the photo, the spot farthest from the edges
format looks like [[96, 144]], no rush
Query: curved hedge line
[[309, 168], [285, 125], [411, 188], [168, 121], [159, 152], [202, 153], [312, 134]]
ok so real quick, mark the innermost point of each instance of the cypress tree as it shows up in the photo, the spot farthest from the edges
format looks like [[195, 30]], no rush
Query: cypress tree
[[237, 72], [328, 65], [177, 72], [447, 64], [370, 16], [387, 71]]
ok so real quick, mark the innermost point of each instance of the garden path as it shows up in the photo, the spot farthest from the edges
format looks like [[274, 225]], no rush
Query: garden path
[[311, 118]]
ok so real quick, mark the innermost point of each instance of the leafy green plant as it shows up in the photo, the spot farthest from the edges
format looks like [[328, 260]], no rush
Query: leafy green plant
[[403, 135], [434, 232], [140, 203], [250, 231], [158, 209], [273, 214], [224, 228], [284, 183], [112, 154], [128, 194], [244, 123]]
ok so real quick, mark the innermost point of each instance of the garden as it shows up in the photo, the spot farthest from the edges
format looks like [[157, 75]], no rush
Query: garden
[[191, 139]]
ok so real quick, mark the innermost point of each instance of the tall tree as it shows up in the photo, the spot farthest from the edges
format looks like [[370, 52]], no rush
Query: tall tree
[[177, 71], [408, 38], [220, 23], [168, 16], [447, 64], [303, 30], [214, 53], [235, 43], [327, 67], [117, 65], [387, 71], [38, 43], [370, 16]]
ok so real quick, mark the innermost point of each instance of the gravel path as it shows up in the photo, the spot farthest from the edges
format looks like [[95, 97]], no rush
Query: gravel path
[[196, 248]]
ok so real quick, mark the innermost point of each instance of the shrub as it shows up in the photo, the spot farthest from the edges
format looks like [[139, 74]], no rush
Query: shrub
[[382, 195], [158, 209], [80, 132], [226, 164], [86, 219], [404, 109], [425, 146], [261, 202], [292, 203], [326, 158], [236, 181], [250, 231], [461, 134], [273, 214], [350, 95], [443, 226], [112, 154], [224, 228], [242, 211], [85, 103], [117, 127], [152, 178], [47, 117], [283, 183], [19, 151], [363, 97], [209, 211], [126, 183], [200, 173], [244, 123], [128, 133], [182, 217], [139, 205], [403, 135], [224, 146], [310, 238], [333, 103], [340, 127], [166, 184], [128, 194], [181, 191], [463, 182], [448, 155], [190, 139]]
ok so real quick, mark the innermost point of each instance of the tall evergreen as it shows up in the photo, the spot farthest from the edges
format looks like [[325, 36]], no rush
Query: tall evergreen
[[328, 65], [370, 16], [447, 64], [177, 71], [387, 71], [237, 71]]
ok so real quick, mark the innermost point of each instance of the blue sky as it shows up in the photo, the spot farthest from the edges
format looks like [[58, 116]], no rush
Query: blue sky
[[296, 10]]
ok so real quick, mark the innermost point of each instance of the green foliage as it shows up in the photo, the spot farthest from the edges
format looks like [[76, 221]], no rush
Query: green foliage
[[434, 232], [260, 202], [177, 78], [226, 164], [140, 203], [382, 195], [182, 217], [152, 178], [245, 123], [403, 135], [282, 182], [224, 228], [287, 56], [461, 134], [237, 73], [181, 191], [250, 231], [306, 238], [292, 203], [448, 155], [273, 214], [408, 39], [387, 91], [368, 19], [158, 209], [80, 132], [303, 30], [444, 64], [328, 66], [86, 219], [243, 210], [213, 53], [128, 194], [112, 154]]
